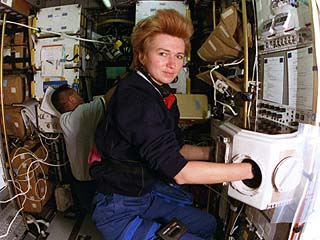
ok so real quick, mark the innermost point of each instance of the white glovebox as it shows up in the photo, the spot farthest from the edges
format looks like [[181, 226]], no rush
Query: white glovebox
[[279, 160]]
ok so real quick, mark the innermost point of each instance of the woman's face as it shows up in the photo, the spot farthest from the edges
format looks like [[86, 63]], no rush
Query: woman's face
[[163, 58]]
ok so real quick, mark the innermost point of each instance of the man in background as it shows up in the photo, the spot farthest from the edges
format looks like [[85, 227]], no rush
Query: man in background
[[78, 122]]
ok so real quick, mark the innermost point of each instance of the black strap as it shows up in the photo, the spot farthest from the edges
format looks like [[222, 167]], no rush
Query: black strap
[[97, 167], [104, 104], [164, 89], [120, 167]]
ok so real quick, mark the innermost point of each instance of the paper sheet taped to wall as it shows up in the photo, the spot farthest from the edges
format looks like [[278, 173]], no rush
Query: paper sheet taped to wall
[[273, 78], [300, 78], [52, 61]]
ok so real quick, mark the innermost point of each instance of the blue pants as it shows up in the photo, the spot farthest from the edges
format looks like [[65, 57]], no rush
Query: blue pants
[[138, 218]]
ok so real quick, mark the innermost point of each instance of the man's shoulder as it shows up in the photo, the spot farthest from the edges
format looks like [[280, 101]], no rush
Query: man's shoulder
[[97, 103]]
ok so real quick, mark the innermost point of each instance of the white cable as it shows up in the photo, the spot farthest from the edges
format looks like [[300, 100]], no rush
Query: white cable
[[23, 165], [248, 115], [229, 107], [38, 29], [236, 62], [214, 85], [50, 138], [233, 228], [31, 219], [37, 160], [17, 185], [44, 194], [53, 139], [12, 221], [255, 66], [14, 197]]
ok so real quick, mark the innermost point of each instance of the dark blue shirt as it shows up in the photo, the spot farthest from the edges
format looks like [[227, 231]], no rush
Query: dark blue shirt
[[139, 139]]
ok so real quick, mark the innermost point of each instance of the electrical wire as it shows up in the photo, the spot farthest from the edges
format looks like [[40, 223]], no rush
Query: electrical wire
[[49, 138], [215, 101], [1, 86], [12, 221], [234, 227], [34, 159], [30, 170], [4, 124], [28, 178], [38, 30], [255, 68]]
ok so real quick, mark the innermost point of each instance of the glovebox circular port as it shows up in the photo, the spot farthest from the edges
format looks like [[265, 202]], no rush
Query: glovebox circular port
[[255, 182]]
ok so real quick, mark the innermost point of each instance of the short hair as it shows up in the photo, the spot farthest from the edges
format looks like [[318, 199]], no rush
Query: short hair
[[59, 97], [166, 21]]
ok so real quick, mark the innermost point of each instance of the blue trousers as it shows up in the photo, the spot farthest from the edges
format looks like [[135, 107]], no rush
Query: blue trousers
[[138, 218]]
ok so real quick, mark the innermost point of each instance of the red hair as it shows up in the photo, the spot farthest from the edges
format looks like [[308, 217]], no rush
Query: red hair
[[164, 21]]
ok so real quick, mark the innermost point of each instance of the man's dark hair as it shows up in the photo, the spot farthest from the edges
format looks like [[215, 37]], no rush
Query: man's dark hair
[[59, 97]]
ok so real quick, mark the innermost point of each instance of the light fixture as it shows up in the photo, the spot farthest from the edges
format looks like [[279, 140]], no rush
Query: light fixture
[[107, 3]]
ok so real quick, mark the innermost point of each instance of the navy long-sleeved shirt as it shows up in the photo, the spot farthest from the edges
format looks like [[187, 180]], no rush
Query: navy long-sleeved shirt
[[139, 139]]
